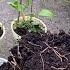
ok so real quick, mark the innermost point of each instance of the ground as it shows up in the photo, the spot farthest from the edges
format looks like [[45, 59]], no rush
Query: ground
[[61, 20]]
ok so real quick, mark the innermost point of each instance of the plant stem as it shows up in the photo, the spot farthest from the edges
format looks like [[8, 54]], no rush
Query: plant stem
[[18, 16], [20, 1], [22, 13], [31, 6]]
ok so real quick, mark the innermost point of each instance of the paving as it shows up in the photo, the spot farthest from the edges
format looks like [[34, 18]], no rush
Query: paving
[[61, 20]]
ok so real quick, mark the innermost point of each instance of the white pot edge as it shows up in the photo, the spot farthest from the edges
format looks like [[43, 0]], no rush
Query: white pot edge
[[2, 60], [16, 36], [3, 30]]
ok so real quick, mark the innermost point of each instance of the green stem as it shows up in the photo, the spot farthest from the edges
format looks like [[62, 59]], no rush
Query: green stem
[[31, 10], [19, 11], [21, 4], [18, 16], [31, 6]]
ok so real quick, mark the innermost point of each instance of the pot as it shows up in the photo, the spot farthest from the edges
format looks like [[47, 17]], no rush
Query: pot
[[2, 60], [2, 26], [16, 36]]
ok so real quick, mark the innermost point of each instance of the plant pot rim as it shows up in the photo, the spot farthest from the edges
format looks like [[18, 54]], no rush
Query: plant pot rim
[[2, 60], [3, 30], [18, 36]]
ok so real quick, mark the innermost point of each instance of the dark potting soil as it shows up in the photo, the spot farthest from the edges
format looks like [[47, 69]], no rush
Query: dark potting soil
[[1, 32], [20, 31], [40, 51]]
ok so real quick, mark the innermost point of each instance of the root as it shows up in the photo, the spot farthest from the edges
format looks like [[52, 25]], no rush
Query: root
[[43, 50], [42, 61], [14, 65], [34, 44], [57, 54], [58, 68], [19, 54], [47, 45], [14, 62]]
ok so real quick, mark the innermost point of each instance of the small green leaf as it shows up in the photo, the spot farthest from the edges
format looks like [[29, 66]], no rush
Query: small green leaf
[[46, 12], [15, 4]]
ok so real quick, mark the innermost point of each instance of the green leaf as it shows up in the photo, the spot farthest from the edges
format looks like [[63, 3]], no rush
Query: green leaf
[[15, 4], [21, 7], [46, 12]]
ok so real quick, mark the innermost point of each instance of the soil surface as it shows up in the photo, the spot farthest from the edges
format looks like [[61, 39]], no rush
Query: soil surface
[[20, 31], [1, 32], [40, 51]]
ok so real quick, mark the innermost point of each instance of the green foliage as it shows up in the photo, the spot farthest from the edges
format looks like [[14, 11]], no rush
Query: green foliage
[[16, 4], [19, 7], [30, 25], [46, 13]]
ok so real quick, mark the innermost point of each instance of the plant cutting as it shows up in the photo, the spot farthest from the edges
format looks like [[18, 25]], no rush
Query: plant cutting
[[2, 30], [27, 23]]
